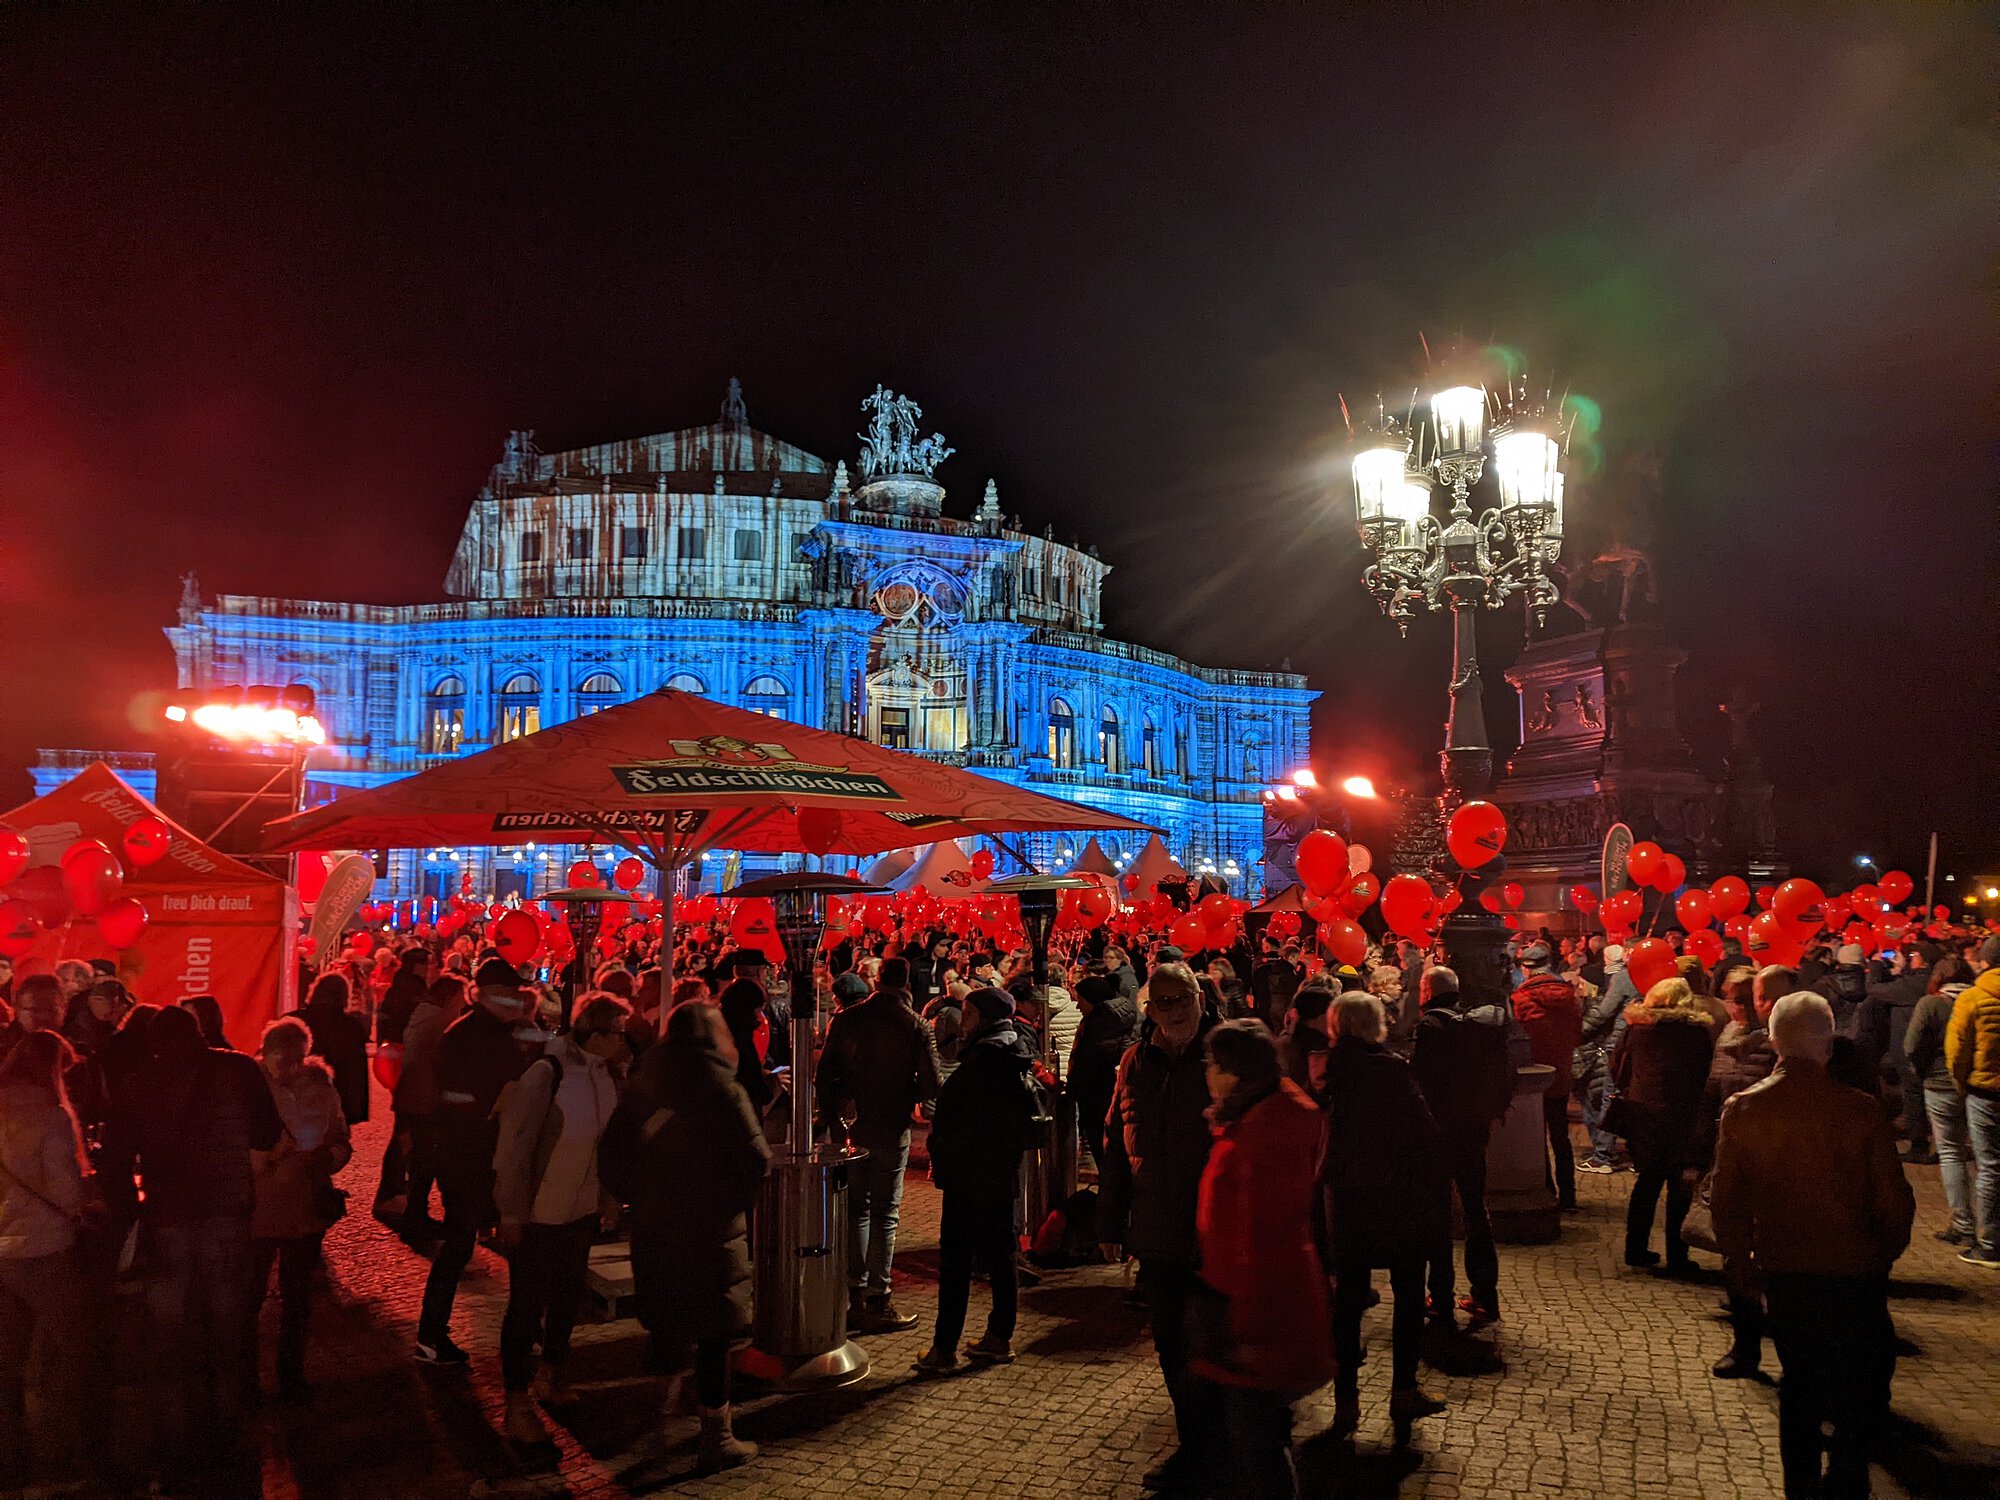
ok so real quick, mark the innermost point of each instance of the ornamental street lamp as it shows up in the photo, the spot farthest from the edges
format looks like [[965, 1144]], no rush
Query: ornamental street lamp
[[1459, 563]]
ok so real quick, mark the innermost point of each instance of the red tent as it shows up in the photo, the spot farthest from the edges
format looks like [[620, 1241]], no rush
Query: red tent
[[670, 774], [214, 926]]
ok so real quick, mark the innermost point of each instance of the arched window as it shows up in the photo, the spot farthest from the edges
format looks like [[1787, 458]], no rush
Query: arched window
[[1111, 742], [444, 717], [598, 691], [1151, 757], [1062, 734], [767, 695], [520, 707], [686, 682]]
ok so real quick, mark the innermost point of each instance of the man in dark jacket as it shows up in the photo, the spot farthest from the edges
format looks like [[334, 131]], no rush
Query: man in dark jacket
[[409, 989], [479, 1057], [1460, 1059], [1156, 1140], [1845, 986], [340, 1039], [879, 1061], [1109, 1019], [189, 1122], [985, 1123], [1546, 1006], [1743, 1058], [1590, 1065], [1885, 1021]]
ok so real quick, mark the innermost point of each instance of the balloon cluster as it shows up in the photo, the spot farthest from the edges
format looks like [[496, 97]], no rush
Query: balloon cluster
[[86, 883]]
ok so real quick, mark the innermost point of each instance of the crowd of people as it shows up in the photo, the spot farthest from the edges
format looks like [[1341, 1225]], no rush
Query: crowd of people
[[1267, 1133]]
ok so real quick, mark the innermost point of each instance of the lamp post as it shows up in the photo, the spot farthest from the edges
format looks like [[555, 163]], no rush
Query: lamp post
[[1461, 563]]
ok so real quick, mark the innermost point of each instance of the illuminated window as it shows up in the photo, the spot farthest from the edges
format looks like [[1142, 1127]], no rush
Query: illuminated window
[[579, 543], [1149, 748], [693, 544], [520, 707], [531, 546], [444, 718], [767, 695], [599, 691], [686, 682], [749, 545], [1111, 741], [1062, 734], [896, 728], [632, 543]]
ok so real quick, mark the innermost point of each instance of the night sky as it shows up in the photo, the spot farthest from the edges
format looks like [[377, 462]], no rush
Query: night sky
[[273, 290]]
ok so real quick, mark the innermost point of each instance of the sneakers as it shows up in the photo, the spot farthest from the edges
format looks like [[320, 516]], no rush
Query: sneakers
[[440, 1351], [1733, 1366], [1953, 1236], [1978, 1255], [990, 1351], [938, 1362], [1640, 1259], [1597, 1168], [1477, 1315], [881, 1316], [857, 1313]]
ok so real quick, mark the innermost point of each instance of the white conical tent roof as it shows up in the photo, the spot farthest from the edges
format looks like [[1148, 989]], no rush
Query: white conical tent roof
[[942, 870], [1154, 865], [1094, 861]]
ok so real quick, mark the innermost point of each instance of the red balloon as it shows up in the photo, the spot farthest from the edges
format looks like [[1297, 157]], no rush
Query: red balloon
[[13, 855], [91, 875], [1345, 941], [517, 937], [628, 873], [120, 922], [364, 943], [1694, 910], [1362, 889], [1407, 904], [1583, 898], [388, 1064], [1643, 862], [1705, 945], [1896, 887], [1764, 895], [1490, 900], [1800, 905], [1097, 904], [81, 848], [754, 923], [1514, 893], [983, 864], [1736, 927], [1672, 874], [1649, 961], [1622, 911], [820, 829], [1770, 941], [584, 873], [1729, 897], [146, 841], [18, 928], [1941, 913], [1322, 862], [1476, 834], [1189, 934]]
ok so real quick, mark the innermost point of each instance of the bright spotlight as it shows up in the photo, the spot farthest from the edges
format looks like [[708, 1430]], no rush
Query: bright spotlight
[[1358, 786]]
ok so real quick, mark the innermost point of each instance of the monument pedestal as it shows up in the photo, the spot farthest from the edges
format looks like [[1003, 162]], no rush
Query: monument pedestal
[[1519, 1199]]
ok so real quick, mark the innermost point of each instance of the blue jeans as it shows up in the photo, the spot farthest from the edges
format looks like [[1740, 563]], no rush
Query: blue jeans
[[1946, 1108], [1596, 1096], [874, 1205], [1982, 1119]]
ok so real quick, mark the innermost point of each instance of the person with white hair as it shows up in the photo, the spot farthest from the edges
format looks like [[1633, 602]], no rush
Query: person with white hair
[[1810, 1201]]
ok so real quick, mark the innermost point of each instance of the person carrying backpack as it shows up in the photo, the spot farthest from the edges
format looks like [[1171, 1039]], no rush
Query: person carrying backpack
[[1461, 1061], [984, 1125], [551, 1203]]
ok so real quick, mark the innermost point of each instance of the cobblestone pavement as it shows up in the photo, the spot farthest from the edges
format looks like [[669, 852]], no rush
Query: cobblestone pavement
[[1596, 1384]]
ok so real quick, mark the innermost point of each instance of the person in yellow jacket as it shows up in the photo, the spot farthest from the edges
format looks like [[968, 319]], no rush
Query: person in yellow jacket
[[1972, 1053]]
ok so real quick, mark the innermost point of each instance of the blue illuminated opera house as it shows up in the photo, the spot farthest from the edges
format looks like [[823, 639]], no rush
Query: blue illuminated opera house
[[723, 561]]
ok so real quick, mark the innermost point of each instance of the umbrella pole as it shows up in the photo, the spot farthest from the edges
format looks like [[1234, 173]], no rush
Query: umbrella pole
[[671, 870]]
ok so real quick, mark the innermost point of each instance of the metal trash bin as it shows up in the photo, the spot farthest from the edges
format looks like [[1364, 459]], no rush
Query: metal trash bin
[[799, 1244], [1519, 1201]]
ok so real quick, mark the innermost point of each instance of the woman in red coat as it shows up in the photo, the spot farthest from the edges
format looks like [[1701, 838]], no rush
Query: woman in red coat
[[1266, 1336]]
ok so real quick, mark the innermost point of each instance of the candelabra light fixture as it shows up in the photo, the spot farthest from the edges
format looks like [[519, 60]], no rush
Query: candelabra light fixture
[[1508, 549]]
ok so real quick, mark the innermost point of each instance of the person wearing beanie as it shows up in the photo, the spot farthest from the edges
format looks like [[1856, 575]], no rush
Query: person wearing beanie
[[1545, 1004], [985, 1123], [1972, 1057], [479, 1057]]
